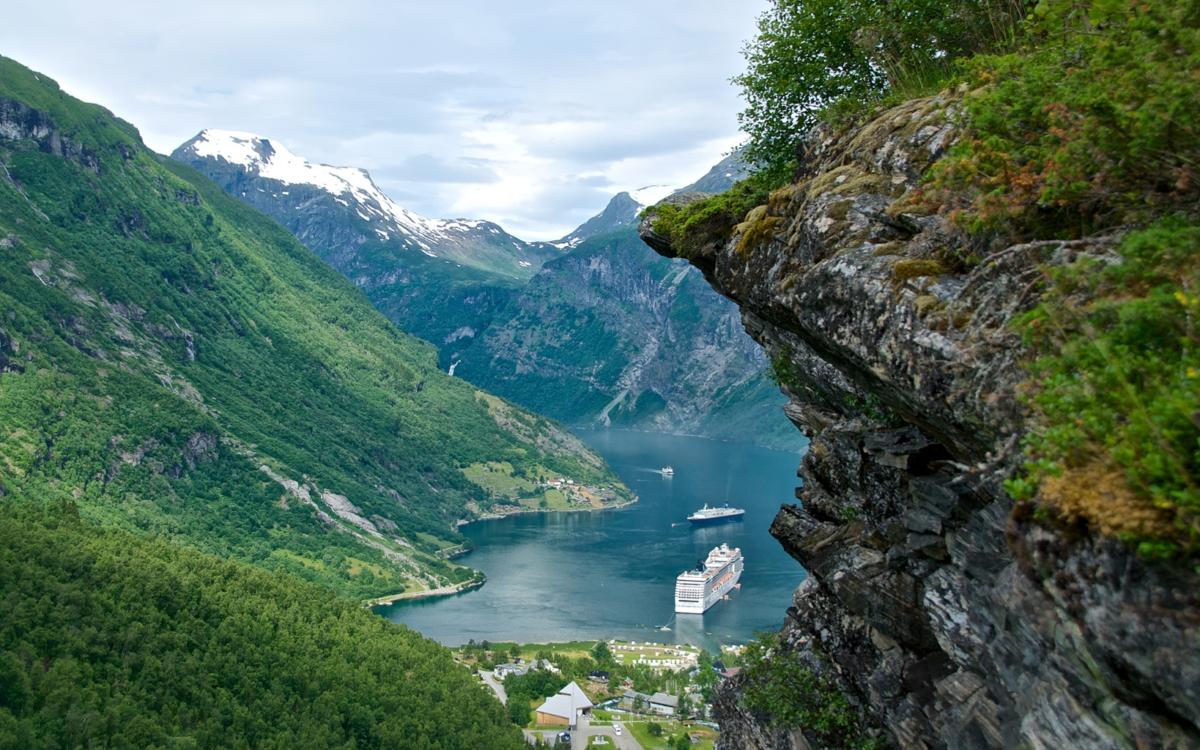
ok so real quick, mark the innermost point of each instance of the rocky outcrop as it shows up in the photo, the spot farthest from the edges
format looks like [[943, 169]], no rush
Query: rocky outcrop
[[19, 121], [950, 616]]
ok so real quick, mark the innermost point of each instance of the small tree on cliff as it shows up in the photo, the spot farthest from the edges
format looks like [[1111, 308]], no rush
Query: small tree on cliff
[[813, 56]]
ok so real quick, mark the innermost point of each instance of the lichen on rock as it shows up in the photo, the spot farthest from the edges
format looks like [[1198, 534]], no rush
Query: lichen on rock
[[948, 613]]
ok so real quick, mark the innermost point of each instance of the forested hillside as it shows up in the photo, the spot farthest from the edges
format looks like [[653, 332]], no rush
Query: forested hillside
[[111, 640], [178, 364]]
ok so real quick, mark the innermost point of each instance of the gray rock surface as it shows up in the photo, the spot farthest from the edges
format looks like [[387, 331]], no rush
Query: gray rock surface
[[946, 613]]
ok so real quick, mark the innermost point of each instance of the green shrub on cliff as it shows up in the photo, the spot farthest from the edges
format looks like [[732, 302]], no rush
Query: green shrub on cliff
[[813, 55], [692, 226], [1092, 124], [811, 58], [1116, 437], [779, 684]]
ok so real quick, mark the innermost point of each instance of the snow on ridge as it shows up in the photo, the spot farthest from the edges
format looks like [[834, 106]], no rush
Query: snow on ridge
[[460, 225], [233, 146], [350, 186], [650, 194], [274, 162]]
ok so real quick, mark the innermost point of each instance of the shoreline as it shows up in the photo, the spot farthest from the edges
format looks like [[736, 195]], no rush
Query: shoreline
[[577, 428], [460, 588], [457, 588], [500, 516]]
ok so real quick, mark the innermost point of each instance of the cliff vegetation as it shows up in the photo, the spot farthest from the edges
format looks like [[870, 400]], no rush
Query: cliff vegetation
[[1074, 119], [971, 253]]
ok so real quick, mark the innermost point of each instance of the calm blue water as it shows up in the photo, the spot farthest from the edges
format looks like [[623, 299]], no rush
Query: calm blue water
[[566, 576]]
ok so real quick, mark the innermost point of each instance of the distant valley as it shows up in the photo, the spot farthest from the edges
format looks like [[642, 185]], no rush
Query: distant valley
[[591, 329], [173, 362]]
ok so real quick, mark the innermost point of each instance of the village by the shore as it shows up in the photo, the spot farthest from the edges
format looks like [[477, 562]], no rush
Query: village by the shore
[[615, 694]]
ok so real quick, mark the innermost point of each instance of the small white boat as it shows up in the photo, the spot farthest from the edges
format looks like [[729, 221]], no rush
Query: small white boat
[[667, 471]]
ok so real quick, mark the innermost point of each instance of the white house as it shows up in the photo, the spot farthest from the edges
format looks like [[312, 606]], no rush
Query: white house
[[565, 707]]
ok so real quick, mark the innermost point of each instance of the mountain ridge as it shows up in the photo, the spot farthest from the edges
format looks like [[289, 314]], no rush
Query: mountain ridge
[[473, 314], [176, 363], [472, 242]]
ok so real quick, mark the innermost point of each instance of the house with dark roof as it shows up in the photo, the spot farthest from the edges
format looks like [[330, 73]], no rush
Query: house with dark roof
[[661, 703], [504, 670], [629, 700]]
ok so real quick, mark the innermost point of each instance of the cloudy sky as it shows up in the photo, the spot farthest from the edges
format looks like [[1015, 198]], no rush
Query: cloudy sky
[[530, 113]]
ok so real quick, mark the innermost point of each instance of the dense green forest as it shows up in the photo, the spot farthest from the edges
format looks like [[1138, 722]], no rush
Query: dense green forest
[[108, 639], [1075, 118], [178, 364]]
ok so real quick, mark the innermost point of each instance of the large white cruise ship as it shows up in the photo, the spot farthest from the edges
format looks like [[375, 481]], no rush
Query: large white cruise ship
[[697, 590]]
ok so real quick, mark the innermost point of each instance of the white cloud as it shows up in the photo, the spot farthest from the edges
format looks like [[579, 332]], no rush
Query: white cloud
[[526, 113]]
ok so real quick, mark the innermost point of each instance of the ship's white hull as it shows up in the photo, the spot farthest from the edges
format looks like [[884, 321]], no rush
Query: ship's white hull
[[698, 520], [688, 600]]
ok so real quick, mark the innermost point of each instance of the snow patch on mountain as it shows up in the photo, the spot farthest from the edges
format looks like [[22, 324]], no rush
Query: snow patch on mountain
[[650, 194], [271, 160]]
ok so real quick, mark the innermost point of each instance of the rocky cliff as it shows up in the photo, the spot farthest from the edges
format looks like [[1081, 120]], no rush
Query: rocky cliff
[[949, 616]]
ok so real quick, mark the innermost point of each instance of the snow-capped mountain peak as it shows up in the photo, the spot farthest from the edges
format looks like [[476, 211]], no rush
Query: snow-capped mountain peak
[[266, 174], [271, 160]]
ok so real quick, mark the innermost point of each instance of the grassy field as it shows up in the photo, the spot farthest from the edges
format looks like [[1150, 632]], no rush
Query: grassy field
[[572, 649], [629, 653], [641, 732], [500, 480]]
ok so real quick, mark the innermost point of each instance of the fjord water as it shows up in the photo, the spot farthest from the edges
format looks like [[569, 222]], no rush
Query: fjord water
[[567, 576]]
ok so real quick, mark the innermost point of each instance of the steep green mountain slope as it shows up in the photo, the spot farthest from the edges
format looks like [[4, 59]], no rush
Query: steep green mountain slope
[[179, 364], [441, 280], [612, 333], [111, 640]]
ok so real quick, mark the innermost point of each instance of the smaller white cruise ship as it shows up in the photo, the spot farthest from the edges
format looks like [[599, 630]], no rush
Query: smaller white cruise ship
[[667, 471], [697, 590], [707, 515]]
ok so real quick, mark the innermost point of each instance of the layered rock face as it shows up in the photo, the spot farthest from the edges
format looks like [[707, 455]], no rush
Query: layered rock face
[[950, 617]]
